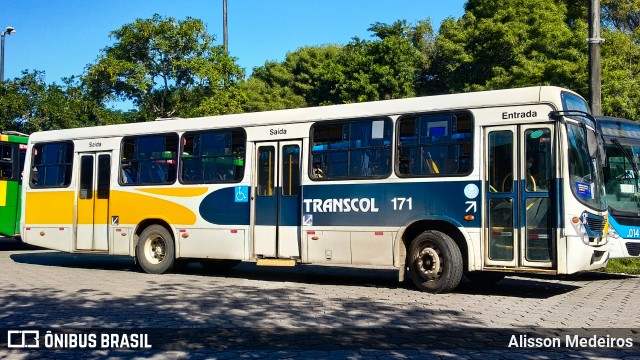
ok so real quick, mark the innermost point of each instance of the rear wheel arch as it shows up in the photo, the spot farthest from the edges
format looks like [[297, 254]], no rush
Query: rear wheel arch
[[145, 224], [155, 246], [416, 228]]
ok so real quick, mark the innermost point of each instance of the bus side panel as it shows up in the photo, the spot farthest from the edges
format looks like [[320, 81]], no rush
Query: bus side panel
[[48, 219], [9, 198], [212, 243]]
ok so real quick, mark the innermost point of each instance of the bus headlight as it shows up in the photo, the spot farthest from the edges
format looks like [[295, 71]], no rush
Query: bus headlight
[[613, 234], [578, 226]]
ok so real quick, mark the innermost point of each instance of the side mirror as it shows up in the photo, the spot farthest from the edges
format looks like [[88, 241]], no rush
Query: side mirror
[[592, 143]]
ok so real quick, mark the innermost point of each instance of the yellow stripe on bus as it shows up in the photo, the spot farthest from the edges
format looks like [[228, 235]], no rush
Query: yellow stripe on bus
[[4, 137], [57, 208], [178, 192], [3, 193], [133, 208], [51, 207]]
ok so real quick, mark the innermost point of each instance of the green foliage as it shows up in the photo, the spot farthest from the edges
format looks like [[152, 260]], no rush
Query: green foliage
[[28, 104], [623, 266], [293, 83], [392, 66], [620, 76], [167, 68], [624, 15], [510, 43]]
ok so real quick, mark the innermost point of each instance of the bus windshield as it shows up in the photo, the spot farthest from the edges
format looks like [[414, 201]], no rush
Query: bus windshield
[[585, 171], [621, 182]]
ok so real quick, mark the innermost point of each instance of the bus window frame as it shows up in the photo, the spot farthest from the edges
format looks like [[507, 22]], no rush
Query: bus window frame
[[310, 171], [218, 130], [419, 114], [32, 165], [121, 170], [12, 152]]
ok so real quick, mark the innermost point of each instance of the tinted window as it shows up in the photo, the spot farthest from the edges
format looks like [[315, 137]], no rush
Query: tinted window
[[104, 174], [266, 171], [435, 145], [52, 164], [150, 159], [213, 156], [6, 163], [351, 149], [290, 170]]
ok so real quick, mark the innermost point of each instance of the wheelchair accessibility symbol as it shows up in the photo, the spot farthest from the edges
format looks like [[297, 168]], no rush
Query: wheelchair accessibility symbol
[[242, 194]]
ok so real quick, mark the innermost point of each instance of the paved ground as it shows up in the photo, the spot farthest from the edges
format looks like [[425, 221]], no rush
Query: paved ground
[[307, 311]]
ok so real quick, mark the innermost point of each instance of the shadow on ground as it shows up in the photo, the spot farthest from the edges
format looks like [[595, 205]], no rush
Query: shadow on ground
[[538, 287], [14, 244]]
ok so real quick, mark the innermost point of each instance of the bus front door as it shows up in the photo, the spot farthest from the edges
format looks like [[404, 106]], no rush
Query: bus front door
[[92, 217], [277, 209], [520, 223]]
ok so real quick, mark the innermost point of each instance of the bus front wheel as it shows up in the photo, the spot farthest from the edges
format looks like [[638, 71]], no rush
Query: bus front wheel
[[435, 262], [155, 250]]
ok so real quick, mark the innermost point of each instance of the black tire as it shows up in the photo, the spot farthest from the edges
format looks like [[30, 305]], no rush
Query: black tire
[[435, 262], [484, 278], [156, 250], [217, 264]]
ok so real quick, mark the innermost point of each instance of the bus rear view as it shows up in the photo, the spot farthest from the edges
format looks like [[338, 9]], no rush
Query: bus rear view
[[13, 147]]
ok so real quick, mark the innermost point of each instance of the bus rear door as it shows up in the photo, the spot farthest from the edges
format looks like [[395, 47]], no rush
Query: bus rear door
[[521, 222], [277, 209], [92, 217]]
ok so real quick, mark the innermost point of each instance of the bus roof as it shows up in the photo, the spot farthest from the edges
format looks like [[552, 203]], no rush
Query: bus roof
[[12, 137], [483, 99], [618, 127]]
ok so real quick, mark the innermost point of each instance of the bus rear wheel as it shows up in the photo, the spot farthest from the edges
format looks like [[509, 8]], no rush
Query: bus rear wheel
[[155, 250], [435, 262]]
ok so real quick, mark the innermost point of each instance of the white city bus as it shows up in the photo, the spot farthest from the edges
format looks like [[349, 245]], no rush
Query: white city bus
[[622, 184], [437, 186]]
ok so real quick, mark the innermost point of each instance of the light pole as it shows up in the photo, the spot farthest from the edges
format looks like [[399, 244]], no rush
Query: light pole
[[10, 30], [595, 68], [224, 26]]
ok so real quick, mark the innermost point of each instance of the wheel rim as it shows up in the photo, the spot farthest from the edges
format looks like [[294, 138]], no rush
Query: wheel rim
[[155, 249], [429, 262]]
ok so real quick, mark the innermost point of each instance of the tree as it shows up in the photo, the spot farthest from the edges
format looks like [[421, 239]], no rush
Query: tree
[[295, 82], [20, 100], [511, 43], [392, 66], [167, 68], [29, 104], [623, 15]]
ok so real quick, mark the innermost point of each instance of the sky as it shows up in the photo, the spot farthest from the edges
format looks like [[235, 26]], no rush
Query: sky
[[61, 37]]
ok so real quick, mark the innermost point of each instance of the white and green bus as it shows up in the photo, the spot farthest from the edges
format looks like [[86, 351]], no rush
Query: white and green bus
[[434, 186], [13, 147]]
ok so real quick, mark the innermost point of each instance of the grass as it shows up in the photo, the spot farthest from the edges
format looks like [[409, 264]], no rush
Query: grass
[[623, 266]]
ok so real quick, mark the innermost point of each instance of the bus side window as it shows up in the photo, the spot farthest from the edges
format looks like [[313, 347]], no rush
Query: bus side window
[[52, 165], [355, 149], [5, 162], [435, 144]]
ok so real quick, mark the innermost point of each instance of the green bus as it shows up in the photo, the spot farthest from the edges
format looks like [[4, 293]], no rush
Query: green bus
[[13, 147]]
